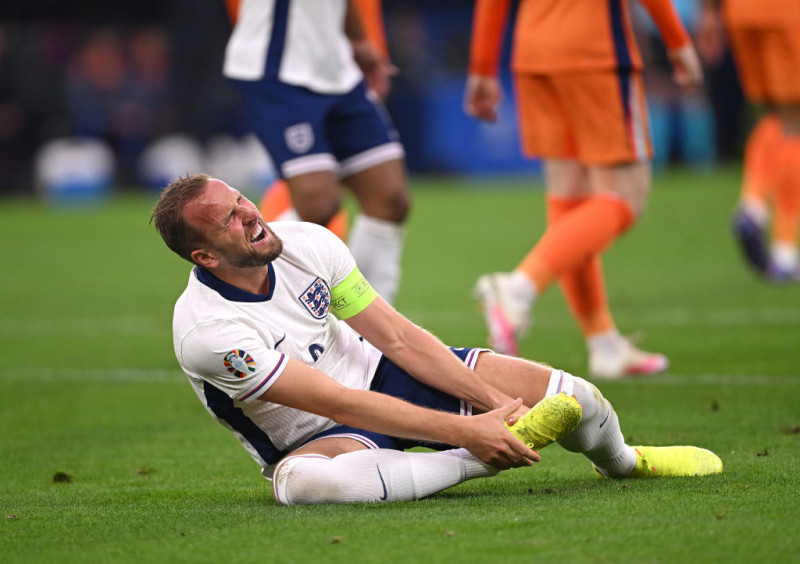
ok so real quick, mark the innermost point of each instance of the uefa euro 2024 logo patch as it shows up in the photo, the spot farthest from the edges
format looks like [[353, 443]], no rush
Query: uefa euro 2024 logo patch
[[317, 298], [239, 363]]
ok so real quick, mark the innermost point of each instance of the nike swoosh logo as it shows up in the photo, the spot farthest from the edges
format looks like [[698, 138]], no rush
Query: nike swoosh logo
[[385, 493], [279, 342], [606, 419]]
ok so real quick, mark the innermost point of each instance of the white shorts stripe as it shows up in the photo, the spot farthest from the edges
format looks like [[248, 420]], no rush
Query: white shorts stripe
[[371, 157], [307, 164], [638, 121], [360, 438]]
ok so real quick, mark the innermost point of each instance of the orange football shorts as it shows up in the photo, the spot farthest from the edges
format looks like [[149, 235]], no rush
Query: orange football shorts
[[768, 60], [596, 117]]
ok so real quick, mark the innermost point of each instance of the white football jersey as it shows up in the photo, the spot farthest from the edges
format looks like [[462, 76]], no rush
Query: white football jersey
[[299, 42], [233, 345]]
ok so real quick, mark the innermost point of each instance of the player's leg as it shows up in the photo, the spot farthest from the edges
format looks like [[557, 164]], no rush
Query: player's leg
[[610, 354], [784, 260], [605, 117], [597, 435], [376, 238], [585, 293], [346, 465], [783, 78], [339, 470], [751, 217], [570, 251], [599, 118], [316, 195], [750, 220], [373, 166], [584, 286], [507, 297]]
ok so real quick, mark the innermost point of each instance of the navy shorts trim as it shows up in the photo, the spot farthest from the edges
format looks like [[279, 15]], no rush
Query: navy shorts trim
[[392, 380], [293, 122]]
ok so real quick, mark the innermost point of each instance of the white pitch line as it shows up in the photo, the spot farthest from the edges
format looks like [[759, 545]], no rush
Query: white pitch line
[[170, 376], [713, 379], [84, 327], [440, 319], [670, 317], [119, 374]]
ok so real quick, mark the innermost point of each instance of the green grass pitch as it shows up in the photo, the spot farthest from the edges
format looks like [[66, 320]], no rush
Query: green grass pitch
[[89, 388]]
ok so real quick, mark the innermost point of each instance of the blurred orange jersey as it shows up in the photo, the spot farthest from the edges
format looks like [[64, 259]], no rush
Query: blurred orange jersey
[[559, 35], [760, 13], [567, 35], [765, 39]]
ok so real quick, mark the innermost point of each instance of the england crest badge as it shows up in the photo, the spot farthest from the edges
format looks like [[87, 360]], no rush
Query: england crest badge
[[317, 298], [299, 138]]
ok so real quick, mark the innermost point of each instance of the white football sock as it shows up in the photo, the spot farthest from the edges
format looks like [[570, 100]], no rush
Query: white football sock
[[598, 436], [785, 256], [756, 208], [377, 246], [373, 475], [605, 343]]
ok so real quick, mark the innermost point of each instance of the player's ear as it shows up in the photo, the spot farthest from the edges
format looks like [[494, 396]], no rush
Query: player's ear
[[205, 258]]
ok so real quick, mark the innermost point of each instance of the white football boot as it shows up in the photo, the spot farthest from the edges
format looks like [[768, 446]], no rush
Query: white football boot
[[625, 360], [507, 316]]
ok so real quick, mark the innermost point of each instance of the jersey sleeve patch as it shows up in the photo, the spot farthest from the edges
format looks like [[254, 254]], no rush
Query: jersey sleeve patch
[[239, 363], [352, 295]]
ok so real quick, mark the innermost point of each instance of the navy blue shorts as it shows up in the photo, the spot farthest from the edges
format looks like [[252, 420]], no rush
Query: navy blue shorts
[[392, 380], [305, 131]]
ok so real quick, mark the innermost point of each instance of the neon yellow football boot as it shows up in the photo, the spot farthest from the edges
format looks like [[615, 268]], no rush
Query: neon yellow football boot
[[656, 462], [549, 420]]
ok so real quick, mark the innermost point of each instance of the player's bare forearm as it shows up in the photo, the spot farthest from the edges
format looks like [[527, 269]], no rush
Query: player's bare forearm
[[424, 356], [305, 388]]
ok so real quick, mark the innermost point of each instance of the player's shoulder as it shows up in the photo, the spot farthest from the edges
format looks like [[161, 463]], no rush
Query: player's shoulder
[[197, 304]]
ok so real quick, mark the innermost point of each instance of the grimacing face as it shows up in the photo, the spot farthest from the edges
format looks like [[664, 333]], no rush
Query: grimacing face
[[233, 226]]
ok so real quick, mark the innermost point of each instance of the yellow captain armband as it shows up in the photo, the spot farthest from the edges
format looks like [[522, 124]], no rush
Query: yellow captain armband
[[352, 295]]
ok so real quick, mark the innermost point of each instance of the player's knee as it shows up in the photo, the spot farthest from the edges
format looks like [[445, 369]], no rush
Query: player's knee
[[399, 204], [290, 478], [597, 420], [590, 398], [389, 205]]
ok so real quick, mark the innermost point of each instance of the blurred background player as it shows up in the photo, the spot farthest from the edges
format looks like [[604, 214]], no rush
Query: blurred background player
[[765, 40], [311, 83], [581, 108]]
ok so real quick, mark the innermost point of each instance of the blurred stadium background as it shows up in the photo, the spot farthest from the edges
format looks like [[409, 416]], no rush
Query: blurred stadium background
[[96, 95]]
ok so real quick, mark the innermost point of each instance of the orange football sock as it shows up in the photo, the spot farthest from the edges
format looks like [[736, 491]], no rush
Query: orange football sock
[[586, 231], [787, 195], [760, 172], [584, 286], [277, 200]]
